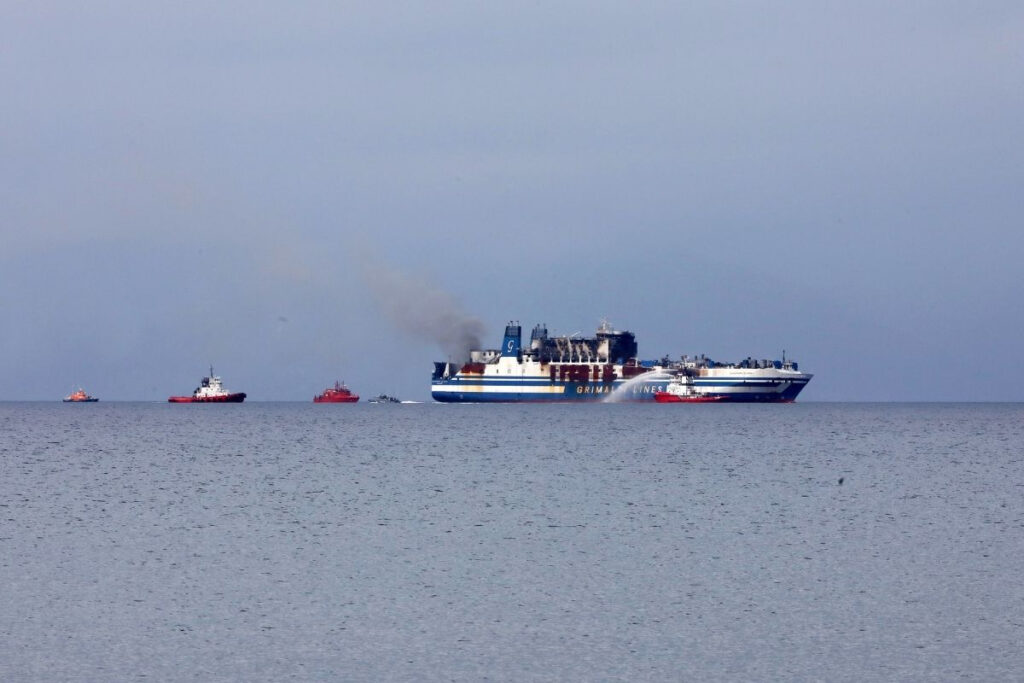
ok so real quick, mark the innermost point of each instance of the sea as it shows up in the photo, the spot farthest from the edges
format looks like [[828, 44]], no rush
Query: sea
[[598, 542]]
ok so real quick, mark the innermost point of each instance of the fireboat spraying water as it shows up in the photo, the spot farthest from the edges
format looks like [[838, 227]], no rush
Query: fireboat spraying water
[[681, 390]]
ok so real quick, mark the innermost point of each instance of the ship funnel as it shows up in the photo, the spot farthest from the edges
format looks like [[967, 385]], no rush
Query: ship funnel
[[513, 340], [538, 337]]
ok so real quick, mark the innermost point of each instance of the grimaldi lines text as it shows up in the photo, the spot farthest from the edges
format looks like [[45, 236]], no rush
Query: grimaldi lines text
[[604, 367]]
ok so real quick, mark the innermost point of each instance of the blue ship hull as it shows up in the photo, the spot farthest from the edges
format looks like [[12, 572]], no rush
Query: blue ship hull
[[571, 392], [449, 392]]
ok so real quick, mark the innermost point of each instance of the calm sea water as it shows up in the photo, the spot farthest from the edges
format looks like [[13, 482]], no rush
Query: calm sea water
[[600, 542]]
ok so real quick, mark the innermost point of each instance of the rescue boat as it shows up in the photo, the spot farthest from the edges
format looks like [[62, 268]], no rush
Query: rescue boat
[[680, 390], [79, 397], [339, 393]]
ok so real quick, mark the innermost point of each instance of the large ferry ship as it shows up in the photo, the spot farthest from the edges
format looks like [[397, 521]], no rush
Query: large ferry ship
[[604, 367]]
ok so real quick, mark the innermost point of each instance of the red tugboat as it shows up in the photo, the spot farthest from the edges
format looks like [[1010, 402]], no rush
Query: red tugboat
[[79, 397], [681, 390], [210, 390], [339, 393]]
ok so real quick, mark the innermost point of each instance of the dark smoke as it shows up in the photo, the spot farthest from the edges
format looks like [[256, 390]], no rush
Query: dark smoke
[[422, 310]]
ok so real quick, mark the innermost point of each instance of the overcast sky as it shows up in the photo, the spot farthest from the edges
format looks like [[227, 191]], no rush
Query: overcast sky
[[237, 183]]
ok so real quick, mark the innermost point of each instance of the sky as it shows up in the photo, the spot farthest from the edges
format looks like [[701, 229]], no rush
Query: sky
[[276, 188]]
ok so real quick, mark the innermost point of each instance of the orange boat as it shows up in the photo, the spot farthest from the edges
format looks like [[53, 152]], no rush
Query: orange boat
[[79, 397], [339, 393]]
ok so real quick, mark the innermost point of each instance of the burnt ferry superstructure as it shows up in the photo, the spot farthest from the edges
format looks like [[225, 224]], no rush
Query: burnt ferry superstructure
[[605, 366]]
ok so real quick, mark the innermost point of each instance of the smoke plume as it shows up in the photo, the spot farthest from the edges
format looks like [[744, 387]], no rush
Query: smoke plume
[[420, 309]]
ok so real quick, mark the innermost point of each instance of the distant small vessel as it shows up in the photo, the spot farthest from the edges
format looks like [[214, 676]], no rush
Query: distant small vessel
[[79, 397], [210, 390], [680, 390], [384, 398], [339, 393]]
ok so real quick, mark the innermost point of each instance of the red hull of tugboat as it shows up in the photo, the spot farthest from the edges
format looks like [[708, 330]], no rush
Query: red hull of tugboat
[[665, 397], [228, 398]]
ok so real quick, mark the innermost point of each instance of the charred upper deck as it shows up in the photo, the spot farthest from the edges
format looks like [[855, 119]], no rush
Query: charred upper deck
[[607, 346]]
